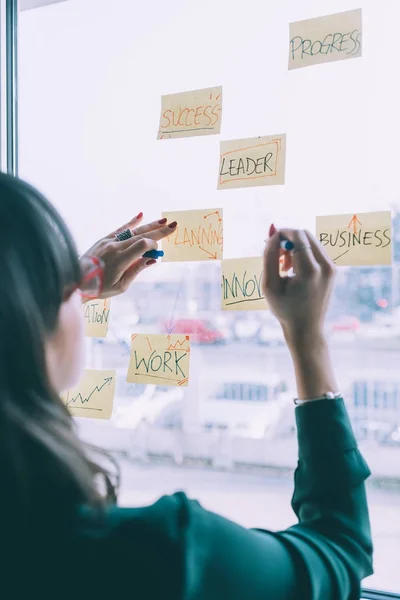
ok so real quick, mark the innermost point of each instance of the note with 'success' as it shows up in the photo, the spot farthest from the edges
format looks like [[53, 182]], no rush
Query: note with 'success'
[[252, 162], [363, 239], [241, 285], [96, 314], [189, 114], [325, 39], [93, 397], [160, 359], [198, 236]]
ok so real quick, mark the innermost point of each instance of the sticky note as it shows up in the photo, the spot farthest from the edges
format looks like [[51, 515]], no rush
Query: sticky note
[[96, 314], [241, 284], [198, 235], [357, 239], [93, 397], [189, 114], [252, 162], [160, 359], [325, 39]]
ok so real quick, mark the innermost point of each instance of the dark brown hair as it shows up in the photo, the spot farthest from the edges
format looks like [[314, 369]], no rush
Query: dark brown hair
[[43, 464]]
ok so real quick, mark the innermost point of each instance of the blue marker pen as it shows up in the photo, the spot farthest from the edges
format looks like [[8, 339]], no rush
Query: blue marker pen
[[287, 245], [153, 254]]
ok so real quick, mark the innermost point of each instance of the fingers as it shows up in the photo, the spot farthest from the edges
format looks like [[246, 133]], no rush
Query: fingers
[[149, 227], [135, 251], [304, 261], [320, 254], [129, 225], [160, 233], [271, 276], [134, 270]]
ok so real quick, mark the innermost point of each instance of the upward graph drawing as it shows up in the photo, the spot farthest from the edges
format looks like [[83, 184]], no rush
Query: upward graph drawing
[[86, 399]]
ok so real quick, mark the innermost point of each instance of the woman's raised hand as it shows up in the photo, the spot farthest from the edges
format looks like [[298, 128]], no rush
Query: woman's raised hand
[[299, 302], [123, 261]]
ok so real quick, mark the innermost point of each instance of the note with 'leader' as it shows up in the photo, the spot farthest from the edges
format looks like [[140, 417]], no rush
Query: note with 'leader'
[[93, 397], [325, 39], [160, 359], [361, 239], [241, 284], [252, 162], [198, 235], [189, 114], [96, 315]]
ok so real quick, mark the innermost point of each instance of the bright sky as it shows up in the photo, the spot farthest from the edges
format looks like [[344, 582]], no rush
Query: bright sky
[[92, 73]]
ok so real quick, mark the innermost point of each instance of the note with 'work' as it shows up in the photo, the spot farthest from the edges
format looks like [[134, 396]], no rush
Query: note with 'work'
[[160, 359], [363, 239], [241, 284], [198, 235], [96, 315], [189, 114], [93, 397], [252, 162], [325, 39]]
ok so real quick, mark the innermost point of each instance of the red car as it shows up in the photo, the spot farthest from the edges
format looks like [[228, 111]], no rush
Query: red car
[[200, 330]]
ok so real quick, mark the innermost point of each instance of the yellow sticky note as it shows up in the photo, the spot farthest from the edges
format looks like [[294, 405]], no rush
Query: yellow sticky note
[[357, 239], [160, 359], [241, 284], [325, 39], [198, 236], [252, 162], [189, 114], [96, 314], [93, 397]]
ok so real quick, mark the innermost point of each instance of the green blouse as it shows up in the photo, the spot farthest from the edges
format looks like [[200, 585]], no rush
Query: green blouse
[[176, 550]]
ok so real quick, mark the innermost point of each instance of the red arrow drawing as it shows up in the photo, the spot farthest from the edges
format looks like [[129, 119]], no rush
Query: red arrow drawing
[[354, 222], [213, 256], [214, 213]]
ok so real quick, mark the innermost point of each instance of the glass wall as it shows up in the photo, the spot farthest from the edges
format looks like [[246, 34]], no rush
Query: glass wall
[[91, 76]]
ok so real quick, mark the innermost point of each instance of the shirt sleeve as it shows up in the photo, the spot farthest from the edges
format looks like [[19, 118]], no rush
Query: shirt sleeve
[[323, 557]]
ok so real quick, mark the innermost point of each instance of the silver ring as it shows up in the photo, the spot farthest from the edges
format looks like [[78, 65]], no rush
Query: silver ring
[[301, 247], [124, 235]]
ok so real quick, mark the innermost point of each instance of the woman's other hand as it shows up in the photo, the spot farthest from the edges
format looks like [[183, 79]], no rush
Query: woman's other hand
[[299, 302], [123, 261]]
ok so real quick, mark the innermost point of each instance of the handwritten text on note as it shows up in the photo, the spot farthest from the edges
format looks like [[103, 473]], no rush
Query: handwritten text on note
[[160, 359], [193, 113], [325, 39], [357, 239], [93, 397], [198, 236], [252, 162], [241, 284], [96, 314]]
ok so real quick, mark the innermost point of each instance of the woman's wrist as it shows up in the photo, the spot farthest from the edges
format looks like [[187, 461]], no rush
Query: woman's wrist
[[301, 338]]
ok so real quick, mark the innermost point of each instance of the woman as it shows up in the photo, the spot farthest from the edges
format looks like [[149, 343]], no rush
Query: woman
[[60, 537]]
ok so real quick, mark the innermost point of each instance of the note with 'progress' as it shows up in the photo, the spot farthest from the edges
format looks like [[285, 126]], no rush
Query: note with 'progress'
[[160, 359], [198, 236], [361, 239], [325, 39], [252, 162], [93, 397], [189, 114], [241, 284]]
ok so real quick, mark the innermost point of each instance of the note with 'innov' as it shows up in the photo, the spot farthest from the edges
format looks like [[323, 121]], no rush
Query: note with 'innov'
[[198, 235], [160, 359], [189, 114], [241, 284], [93, 397], [252, 162], [363, 239], [325, 39]]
